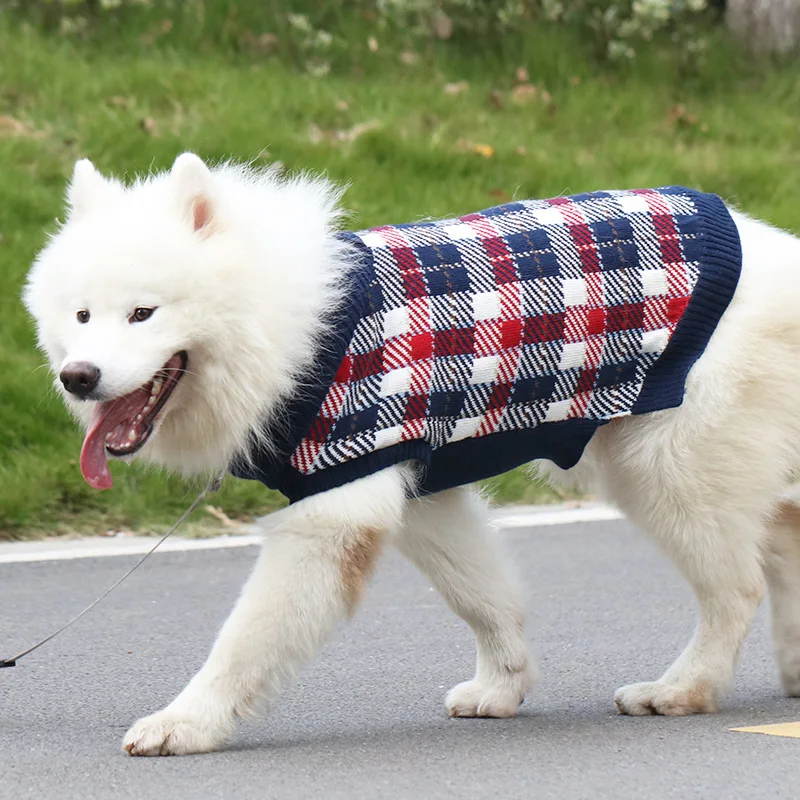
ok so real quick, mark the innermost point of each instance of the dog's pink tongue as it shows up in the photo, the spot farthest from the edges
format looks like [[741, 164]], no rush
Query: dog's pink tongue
[[94, 461], [106, 417]]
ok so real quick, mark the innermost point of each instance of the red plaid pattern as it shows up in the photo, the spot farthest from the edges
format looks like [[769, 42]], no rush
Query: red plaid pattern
[[532, 312]]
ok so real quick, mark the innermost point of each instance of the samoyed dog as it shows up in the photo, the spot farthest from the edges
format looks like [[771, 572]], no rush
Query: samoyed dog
[[644, 345]]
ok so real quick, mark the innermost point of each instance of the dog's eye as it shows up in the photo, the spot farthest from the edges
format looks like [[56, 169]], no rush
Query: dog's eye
[[141, 314], [83, 316]]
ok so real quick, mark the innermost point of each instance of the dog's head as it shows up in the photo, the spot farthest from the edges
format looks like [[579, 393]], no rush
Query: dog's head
[[175, 312]]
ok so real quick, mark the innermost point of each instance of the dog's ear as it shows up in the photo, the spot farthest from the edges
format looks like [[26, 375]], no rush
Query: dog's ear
[[192, 180], [87, 189]]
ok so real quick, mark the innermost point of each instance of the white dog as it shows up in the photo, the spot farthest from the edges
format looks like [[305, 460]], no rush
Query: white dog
[[183, 316]]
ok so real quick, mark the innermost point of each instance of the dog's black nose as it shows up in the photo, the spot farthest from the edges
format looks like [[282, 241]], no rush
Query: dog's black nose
[[80, 378]]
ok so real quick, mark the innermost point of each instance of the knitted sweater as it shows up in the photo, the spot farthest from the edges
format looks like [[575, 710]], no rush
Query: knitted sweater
[[470, 346]]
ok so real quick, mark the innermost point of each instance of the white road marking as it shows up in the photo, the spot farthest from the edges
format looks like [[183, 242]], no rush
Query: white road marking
[[540, 516], [94, 547], [51, 550]]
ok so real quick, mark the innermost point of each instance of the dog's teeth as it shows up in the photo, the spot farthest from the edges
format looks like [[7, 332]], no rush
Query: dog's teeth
[[108, 436], [132, 436], [138, 417]]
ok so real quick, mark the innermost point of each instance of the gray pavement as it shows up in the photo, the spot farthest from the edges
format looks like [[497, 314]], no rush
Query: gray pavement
[[366, 719]]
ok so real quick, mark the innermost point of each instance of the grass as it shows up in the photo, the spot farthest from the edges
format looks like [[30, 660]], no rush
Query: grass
[[408, 146]]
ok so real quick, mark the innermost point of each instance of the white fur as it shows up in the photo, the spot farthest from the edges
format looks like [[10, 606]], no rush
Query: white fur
[[446, 537], [241, 265], [245, 300]]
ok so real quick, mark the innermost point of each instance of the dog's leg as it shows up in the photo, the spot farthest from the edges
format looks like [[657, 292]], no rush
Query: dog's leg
[[446, 537], [782, 566], [316, 559], [705, 505], [725, 571]]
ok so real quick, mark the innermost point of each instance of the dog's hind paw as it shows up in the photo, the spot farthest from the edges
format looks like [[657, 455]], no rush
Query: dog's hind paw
[[477, 699], [169, 733], [642, 699], [788, 654], [791, 682]]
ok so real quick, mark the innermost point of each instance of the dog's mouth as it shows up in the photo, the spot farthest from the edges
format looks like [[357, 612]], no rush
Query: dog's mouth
[[121, 426]]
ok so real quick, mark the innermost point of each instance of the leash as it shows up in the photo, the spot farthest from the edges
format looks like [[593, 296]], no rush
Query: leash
[[213, 486]]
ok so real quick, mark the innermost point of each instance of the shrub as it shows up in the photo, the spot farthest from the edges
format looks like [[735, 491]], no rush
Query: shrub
[[317, 32]]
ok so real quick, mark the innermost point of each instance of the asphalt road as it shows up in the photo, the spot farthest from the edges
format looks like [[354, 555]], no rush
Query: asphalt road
[[366, 719]]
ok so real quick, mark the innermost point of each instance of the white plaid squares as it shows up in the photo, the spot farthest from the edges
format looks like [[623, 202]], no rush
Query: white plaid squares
[[558, 411], [388, 436], [484, 370], [396, 322], [374, 240], [398, 381], [654, 282], [655, 341], [486, 305], [575, 292], [548, 216], [466, 428], [459, 231], [573, 355], [633, 204]]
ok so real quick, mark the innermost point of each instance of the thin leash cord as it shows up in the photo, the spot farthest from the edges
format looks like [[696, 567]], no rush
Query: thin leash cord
[[212, 487]]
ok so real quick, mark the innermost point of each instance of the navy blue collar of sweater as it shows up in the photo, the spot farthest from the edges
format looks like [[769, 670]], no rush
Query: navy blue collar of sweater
[[292, 418]]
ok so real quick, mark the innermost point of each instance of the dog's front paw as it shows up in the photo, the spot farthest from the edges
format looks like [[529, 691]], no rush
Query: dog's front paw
[[173, 733], [641, 699], [478, 699]]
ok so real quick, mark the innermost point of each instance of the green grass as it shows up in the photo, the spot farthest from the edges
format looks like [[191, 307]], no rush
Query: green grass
[[604, 127]]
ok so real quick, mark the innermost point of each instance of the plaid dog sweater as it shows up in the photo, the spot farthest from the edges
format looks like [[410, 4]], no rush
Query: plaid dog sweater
[[473, 345]]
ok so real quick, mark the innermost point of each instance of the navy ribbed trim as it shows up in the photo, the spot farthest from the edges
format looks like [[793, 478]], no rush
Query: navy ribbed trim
[[458, 463], [720, 267]]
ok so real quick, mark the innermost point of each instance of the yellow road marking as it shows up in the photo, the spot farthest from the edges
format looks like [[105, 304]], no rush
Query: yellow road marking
[[790, 729]]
